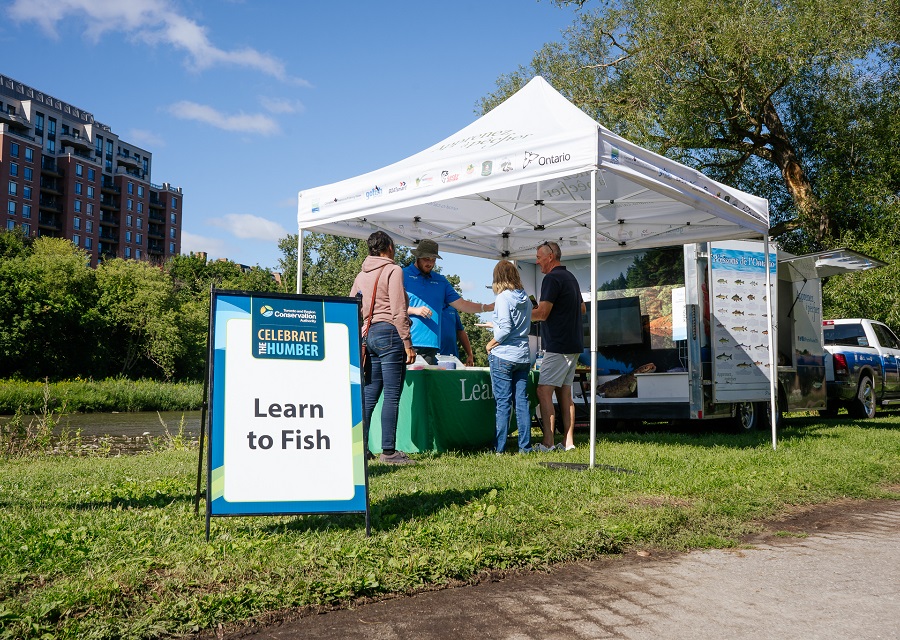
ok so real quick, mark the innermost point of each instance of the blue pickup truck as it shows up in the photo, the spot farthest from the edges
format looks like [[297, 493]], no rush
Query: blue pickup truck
[[862, 366]]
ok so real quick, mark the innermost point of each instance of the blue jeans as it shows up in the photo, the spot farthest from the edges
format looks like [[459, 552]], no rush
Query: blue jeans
[[385, 370], [509, 380]]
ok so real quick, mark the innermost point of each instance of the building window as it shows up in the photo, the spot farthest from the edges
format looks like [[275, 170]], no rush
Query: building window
[[13, 169], [89, 226], [140, 207], [78, 206], [77, 223], [140, 223], [171, 247], [137, 254], [29, 174], [173, 218], [92, 175], [130, 204], [79, 170], [11, 207], [90, 192], [13, 188], [78, 188], [139, 238], [128, 220], [26, 210], [87, 243], [172, 233], [51, 127], [26, 228], [109, 165], [90, 209], [130, 188], [109, 148], [140, 191], [51, 146], [127, 252], [29, 154], [174, 203], [26, 193], [10, 225], [76, 239], [38, 124], [14, 150], [127, 236]]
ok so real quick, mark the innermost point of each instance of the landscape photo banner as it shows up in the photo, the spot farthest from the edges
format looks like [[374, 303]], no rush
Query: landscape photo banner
[[285, 405]]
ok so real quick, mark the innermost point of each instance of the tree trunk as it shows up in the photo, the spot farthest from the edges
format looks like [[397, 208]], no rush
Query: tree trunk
[[810, 215]]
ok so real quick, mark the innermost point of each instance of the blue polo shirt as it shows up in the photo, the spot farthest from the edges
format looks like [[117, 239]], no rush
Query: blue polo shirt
[[451, 325], [432, 291]]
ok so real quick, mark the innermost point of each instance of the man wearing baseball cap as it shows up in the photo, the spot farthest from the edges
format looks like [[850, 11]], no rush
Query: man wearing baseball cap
[[428, 292]]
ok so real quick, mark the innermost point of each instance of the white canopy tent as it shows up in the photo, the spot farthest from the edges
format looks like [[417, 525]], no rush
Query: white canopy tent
[[534, 169]]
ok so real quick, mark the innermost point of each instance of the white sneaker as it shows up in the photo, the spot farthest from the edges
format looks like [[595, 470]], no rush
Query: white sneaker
[[540, 448], [563, 447]]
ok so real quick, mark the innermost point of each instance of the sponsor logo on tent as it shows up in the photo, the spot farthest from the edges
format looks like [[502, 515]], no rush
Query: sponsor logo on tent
[[544, 160], [399, 187], [425, 180], [446, 176], [506, 165], [374, 192], [486, 167]]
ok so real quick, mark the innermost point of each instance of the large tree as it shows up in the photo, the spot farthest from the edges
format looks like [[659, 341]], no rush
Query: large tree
[[730, 87]]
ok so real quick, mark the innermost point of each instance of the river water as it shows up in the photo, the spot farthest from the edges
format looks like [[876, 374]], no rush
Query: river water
[[120, 433]]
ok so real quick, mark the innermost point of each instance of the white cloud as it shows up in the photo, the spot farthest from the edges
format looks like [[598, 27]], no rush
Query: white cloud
[[240, 122], [248, 226], [281, 105], [151, 21], [143, 137], [194, 243]]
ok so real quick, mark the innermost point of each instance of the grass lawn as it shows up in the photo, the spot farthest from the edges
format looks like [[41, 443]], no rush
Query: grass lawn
[[98, 547]]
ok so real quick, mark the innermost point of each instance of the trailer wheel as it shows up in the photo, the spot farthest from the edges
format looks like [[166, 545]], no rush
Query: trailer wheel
[[749, 415], [863, 405]]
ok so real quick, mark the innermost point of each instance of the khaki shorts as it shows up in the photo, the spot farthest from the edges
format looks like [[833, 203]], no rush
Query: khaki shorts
[[558, 369]]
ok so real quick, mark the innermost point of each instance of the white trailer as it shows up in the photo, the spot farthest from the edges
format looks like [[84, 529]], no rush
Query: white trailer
[[684, 332]]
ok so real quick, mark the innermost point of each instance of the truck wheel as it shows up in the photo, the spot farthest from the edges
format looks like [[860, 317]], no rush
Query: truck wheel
[[748, 415], [863, 406]]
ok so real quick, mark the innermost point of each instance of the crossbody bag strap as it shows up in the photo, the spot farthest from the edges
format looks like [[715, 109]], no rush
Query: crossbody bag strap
[[372, 306]]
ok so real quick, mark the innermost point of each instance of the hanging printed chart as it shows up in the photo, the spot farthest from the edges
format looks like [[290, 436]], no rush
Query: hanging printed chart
[[740, 320]]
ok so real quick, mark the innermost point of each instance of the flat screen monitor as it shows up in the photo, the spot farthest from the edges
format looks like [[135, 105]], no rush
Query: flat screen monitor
[[619, 323]]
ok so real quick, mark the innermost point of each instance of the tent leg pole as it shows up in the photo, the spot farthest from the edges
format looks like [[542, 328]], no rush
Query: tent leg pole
[[300, 261], [773, 359], [593, 312]]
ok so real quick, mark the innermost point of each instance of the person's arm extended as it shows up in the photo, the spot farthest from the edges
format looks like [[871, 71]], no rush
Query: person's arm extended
[[542, 311], [467, 306]]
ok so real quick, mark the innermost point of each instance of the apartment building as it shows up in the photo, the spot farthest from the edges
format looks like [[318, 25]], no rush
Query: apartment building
[[64, 174]]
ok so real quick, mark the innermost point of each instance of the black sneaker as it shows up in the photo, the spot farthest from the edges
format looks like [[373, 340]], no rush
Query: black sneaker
[[398, 457]]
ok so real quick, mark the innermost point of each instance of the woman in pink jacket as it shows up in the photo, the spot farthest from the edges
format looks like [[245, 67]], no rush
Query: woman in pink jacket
[[388, 346]]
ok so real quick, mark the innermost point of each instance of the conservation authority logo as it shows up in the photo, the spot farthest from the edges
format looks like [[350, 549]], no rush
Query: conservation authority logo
[[266, 311]]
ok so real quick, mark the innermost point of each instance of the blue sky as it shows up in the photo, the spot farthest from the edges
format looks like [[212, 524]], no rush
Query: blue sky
[[244, 103]]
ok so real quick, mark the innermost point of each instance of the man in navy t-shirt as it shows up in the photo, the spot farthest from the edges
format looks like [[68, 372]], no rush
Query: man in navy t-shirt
[[560, 312], [452, 334], [428, 293]]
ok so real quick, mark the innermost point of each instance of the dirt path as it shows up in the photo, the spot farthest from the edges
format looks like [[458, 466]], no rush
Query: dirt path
[[827, 572]]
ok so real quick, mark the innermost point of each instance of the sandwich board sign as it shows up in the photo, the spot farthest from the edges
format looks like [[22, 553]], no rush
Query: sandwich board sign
[[285, 406]]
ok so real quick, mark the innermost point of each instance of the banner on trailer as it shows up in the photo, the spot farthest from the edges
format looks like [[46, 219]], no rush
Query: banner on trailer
[[286, 432], [740, 321]]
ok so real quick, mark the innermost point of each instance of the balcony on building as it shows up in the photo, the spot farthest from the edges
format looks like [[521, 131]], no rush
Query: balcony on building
[[19, 132], [128, 161], [109, 202], [155, 247], [107, 185], [49, 166], [49, 204], [107, 250], [49, 221], [50, 185], [106, 234], [14, 121], [109, 219], [76, 141]]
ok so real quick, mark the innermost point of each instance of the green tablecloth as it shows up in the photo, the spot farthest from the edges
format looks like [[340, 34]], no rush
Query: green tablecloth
[[445, 410]]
